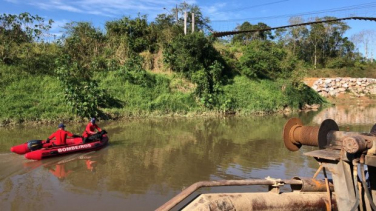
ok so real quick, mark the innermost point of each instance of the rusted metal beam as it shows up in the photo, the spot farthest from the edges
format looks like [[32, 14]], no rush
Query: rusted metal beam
[[262, 201], [372, 181], [343, 184], [188, 191], [373, 130], [311, 185]]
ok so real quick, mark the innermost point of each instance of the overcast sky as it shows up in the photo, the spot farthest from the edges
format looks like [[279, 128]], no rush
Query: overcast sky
[[224, 15]]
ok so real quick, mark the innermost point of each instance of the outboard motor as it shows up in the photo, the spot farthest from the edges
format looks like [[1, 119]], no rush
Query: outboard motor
[[97, 136], [34, 145], [101, 134]]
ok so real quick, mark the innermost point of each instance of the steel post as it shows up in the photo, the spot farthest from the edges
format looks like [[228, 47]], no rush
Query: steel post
[[343, 184]]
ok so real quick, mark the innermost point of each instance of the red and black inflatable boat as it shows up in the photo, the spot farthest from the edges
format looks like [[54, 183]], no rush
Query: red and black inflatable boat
[[40, 149]]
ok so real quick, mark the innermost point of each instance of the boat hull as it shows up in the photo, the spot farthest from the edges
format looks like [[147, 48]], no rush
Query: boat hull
[[67, 149], [25, 147]]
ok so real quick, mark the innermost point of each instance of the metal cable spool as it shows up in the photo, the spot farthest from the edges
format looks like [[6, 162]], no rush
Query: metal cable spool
[[295, 134]]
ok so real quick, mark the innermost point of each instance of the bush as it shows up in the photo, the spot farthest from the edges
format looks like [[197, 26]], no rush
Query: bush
[[250, 96], [195, 57], [137, 98], [263, 59], [81, 94]]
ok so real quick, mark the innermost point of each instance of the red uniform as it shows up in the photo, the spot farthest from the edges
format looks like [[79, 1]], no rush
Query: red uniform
[[60, 171], [60, 136], [90, 165], [90, 130]]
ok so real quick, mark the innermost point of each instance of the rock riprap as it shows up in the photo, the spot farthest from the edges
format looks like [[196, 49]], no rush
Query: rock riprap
[[333, 86]]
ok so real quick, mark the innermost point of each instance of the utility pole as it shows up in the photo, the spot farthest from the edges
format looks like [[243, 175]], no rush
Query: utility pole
[[185, 23], [193, 22], [177, 14]]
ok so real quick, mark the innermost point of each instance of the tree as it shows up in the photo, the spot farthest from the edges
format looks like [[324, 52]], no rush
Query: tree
[[326, 40], [365, 38], [194, 56], [201, 22], [128, 36], [297, 34], [81, 55], [262, 59], [164, 20], [334, 37], [249, 36], [16, 30], [166, 28], [84, 45], [315, 37]]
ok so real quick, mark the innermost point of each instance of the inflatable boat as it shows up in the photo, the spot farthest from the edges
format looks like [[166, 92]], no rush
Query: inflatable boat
[[40, 149]]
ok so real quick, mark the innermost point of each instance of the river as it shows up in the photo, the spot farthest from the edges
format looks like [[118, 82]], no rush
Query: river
[[147, 162]]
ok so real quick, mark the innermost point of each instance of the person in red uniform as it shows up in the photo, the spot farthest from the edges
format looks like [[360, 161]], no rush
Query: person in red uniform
[[60, 135], [90, 130]]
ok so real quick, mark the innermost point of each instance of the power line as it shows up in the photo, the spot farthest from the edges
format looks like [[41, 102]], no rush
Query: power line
[[254, 6], [226, 33], [359, 6]]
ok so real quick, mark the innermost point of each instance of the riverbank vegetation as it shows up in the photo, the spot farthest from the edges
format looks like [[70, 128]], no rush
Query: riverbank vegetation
[[135, 67]]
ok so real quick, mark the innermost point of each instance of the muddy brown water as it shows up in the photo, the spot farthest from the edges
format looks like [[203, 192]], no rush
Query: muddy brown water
[[147, 162]]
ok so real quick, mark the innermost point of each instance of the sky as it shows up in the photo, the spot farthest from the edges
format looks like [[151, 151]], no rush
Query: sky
[[224, 15]]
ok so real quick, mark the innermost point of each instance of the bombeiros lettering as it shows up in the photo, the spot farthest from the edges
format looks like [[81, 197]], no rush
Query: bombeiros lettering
[[67, 149]]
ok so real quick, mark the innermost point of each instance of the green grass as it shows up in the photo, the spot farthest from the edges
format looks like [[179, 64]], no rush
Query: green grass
[[26, 97], [254, 96], [260, 96], [137, 100], [366, 72]]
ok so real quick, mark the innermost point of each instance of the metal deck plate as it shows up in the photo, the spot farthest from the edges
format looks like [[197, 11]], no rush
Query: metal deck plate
[[325, 154]]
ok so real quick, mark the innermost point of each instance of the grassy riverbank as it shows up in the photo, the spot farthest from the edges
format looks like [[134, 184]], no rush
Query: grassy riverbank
[[25, 97]]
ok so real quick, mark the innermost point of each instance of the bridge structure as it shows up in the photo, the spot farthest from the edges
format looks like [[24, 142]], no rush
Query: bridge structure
[[228, 33]]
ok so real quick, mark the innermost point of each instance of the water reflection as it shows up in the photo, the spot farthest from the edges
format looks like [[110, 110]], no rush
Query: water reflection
[[73, 164], [149, 161], [348, 114]]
